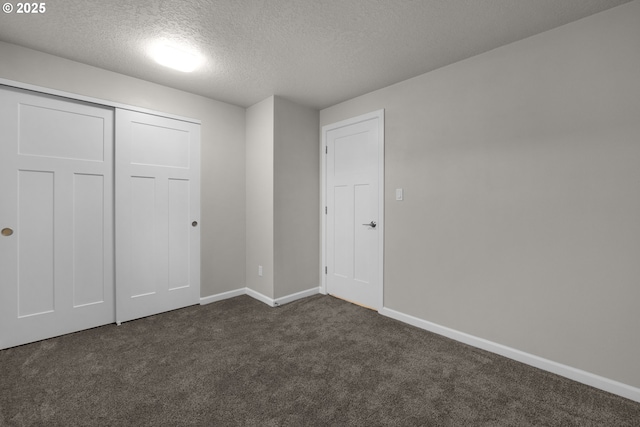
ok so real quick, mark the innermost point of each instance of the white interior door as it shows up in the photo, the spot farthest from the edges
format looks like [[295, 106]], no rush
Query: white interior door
[[157, 214], [56, 216], [354, 214]]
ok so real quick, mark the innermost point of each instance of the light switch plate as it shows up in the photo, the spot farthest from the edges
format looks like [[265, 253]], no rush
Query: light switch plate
[[399, 194]]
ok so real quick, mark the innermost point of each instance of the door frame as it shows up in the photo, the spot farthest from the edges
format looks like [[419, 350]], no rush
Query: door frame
[[379, 115]]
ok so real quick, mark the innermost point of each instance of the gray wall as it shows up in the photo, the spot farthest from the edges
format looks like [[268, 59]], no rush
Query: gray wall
[[259, 196], [282, 179], [521, 170], [222, 152], [296, 204]]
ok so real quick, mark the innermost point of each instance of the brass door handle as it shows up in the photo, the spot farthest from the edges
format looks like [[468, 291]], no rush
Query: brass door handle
[[6, 232]]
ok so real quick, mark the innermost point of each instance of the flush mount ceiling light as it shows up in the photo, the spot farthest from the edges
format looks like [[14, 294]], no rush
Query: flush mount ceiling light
[[175, 57]]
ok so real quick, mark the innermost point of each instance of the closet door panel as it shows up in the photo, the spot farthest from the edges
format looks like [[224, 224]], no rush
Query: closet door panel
[[157, 214], [88, 239], [179, 191], [56, 248], [35, 241]]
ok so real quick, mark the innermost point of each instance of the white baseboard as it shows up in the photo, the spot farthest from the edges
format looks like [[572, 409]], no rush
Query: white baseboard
[[260, 297], [593, 380], [298, 295], [222, 296]]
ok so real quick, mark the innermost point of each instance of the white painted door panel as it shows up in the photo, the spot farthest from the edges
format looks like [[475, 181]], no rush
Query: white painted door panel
[[56, 170], [157, 199], [354, 214]]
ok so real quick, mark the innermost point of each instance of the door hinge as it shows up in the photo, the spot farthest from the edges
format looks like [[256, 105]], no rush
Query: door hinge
[[325, 269], [325, 210], [326, 149]]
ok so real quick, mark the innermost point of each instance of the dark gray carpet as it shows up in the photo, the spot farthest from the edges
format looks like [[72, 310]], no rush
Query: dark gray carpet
[[317, 361]]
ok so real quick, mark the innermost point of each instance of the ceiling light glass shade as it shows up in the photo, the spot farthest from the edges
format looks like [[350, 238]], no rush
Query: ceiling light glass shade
[[176, 58]]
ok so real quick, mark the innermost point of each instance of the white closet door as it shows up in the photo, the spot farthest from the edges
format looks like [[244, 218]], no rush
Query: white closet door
[[56, 216], [157, 214]]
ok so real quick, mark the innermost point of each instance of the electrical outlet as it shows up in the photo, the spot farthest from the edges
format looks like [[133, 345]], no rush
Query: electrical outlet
[[260, 270]]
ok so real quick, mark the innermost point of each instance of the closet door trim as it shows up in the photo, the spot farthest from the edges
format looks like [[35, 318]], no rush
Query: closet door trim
[[102, 102]]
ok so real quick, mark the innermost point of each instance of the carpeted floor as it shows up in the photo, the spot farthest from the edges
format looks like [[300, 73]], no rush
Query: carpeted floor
[[317, 361]]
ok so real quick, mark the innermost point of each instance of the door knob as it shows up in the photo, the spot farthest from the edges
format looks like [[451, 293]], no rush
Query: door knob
[[6, 232], [194, 224], [372, 224]]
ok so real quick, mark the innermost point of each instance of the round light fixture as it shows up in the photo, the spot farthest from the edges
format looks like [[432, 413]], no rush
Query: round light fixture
[[175, 57]]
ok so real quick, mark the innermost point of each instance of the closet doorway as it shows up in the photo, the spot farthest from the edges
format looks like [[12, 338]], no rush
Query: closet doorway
[[66, 216]]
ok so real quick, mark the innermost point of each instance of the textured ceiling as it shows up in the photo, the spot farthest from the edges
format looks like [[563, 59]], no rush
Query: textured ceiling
[[314, 52]]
